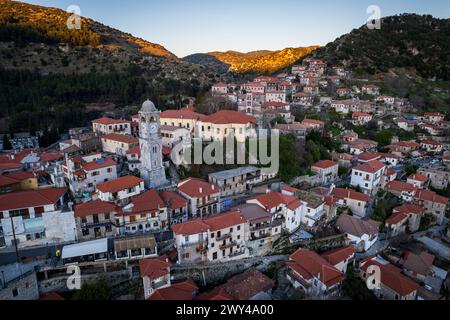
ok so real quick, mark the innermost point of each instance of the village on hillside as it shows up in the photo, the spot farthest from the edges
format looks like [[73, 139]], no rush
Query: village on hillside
[[364, 182]]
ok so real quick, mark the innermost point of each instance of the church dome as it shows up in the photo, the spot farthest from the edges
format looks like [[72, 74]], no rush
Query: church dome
[[148, 106]]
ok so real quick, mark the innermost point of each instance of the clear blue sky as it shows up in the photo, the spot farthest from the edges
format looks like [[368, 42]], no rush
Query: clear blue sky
[[192, 26]]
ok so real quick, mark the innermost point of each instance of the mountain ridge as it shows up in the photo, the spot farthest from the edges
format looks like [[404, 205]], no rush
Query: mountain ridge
[[258, 61], [50, 24], [417, 44]]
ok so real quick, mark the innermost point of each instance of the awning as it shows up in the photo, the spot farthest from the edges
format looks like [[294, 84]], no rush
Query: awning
[[134, 243], [85, 248]]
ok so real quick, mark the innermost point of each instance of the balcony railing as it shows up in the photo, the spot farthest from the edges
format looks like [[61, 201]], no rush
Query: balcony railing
[[228, 245], [237, 254], [194, 243], [207, 203], [223, 237], [159, 284], [273, 224]]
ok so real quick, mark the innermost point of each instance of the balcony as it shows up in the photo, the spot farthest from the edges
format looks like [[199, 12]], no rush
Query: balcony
[[228, 245], [223, 237], [207, 203], [306, 285], [196, 243], [159, 284], [273, 224], [98, 224], [237, 254], [202, 248], [261, 236]]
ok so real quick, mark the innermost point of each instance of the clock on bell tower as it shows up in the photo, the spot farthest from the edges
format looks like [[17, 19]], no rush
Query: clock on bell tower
[[152, 166]]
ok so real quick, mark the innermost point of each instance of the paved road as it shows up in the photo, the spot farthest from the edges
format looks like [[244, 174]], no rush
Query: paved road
[[8, 256], [436, 247]]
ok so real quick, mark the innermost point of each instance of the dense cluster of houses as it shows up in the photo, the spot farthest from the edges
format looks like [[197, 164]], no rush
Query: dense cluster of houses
[[114, 181]]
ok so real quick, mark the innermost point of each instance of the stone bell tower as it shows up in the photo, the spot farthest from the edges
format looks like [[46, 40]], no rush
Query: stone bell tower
[[152, 167]]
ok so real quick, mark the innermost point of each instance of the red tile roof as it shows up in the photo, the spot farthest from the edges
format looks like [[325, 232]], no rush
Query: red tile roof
[[51, 296], [154, 268], [274, 104], [20, 175], [217, 294], [310, 265], [197, 188], [10, 166], [357, 227], [350, 194], [31, 198], [99, 164], [72, 149], [5, 181], [214, 223], [134, 150], [166, 151], [16, 157], [225, 220], [184, 290], [360, 114], [108, 121], [119, 184], [418, 177], [390, 172], [409, 209], [229, 117], [50, 156], [190, 227], [324, 164], [173, 200], [408, 144], [313, 122], [391, 277], [121, 138], [400, 186], [149, 201], [339, 255], [397, 218], [370, 167], [427, 195], [369, 156], [246, 285], [185, 113], [421, 263], [431, 142], [274, 199], [289, 189], [434, 114], [94, 207]]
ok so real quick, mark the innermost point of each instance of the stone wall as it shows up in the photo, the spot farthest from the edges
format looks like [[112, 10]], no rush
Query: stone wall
[[59, 284], [212, 274], [23, 288]]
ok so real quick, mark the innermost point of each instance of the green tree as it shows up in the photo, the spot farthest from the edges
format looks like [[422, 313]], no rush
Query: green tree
[[289, 163], [355, 288], [411, 169], [381, 211], [100, 290], [6, 143]]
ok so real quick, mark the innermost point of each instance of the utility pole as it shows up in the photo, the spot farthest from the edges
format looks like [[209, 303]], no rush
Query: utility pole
[[15, 240]]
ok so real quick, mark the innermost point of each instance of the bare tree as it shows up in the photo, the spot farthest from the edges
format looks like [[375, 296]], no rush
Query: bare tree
[[209, 104]]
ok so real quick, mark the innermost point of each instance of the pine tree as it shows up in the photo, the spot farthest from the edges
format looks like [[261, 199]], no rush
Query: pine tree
[[6, 143]]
